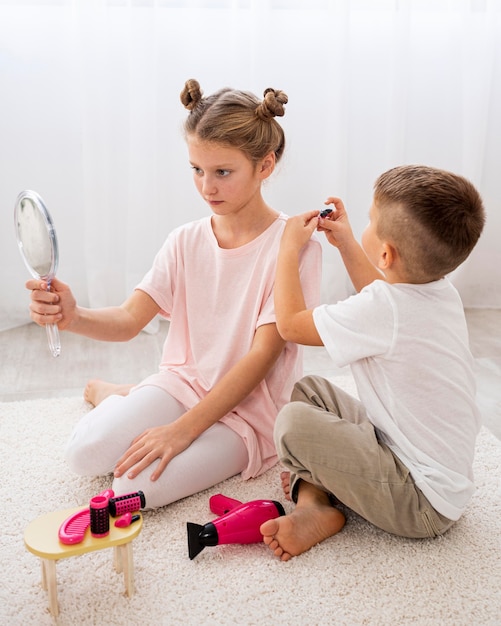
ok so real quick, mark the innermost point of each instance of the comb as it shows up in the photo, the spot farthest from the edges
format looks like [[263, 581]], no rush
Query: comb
[[72, 530]]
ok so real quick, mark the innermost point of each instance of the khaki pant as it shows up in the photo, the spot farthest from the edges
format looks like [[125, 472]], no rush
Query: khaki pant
[[325, 438]]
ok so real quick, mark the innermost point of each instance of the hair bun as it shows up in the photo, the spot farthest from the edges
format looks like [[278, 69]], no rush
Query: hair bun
[[191, 94], [272, 105]]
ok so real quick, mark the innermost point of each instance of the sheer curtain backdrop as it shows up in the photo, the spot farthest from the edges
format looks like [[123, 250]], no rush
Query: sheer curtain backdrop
[[90, 118]]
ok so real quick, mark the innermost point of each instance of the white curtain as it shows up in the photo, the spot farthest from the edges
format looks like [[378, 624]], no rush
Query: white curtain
[[90, 118]]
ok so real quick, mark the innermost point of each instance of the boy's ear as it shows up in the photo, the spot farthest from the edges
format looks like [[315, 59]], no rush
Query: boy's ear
[[387, 257], [268, 165]]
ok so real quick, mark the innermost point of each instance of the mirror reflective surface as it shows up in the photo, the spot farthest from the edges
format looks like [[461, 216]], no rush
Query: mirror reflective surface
[[37, 241]]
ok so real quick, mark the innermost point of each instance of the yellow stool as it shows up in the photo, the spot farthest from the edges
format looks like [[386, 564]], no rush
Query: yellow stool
[[41, 538]]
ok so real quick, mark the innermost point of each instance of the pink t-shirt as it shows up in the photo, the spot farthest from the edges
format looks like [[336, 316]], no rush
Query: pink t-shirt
[[215, 300]]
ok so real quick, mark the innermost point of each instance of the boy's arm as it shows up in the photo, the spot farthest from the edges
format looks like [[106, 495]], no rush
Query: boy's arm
[[294, 321], [359, 268], [339, 234]]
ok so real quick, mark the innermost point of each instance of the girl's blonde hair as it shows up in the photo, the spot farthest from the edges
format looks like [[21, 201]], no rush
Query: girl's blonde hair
[[237, 119]]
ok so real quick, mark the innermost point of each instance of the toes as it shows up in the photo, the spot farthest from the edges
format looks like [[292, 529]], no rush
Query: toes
[[269, 528], [271, 542]]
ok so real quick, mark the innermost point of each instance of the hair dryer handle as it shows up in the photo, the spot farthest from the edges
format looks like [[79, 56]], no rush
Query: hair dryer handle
[[220, 504]]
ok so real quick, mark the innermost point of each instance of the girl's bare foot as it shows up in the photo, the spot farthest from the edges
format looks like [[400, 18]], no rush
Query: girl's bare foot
[[285, 477], [98, 390], [313, 520]]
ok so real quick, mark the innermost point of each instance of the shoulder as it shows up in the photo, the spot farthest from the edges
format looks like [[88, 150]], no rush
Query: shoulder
[[191, 229], [438, 291], [188, 233], [184, 239]]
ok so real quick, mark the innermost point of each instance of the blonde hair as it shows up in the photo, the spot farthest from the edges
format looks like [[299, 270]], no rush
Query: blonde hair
[[434, 218], [237, 119]]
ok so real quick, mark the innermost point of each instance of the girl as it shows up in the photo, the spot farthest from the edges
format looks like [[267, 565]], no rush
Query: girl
[[209, 412]]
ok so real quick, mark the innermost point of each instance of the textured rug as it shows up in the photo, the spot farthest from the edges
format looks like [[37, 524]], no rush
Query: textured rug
[[360, 576]]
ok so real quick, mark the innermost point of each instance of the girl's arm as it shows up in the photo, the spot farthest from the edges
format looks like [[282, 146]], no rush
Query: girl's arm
[[117, 323], [165, 442]]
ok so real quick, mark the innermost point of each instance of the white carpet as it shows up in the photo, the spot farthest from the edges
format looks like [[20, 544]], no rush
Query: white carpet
[[360, 576]]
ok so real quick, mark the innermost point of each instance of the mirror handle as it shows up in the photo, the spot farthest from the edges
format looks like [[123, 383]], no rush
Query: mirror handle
[[53, 339]]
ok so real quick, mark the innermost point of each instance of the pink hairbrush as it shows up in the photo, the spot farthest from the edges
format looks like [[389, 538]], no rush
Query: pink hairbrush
[[72, 530]]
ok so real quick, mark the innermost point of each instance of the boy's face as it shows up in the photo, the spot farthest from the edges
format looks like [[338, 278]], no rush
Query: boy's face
[[371, 243]]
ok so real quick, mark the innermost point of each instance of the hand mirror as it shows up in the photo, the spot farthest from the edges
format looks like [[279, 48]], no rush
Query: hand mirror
[[37, 241]]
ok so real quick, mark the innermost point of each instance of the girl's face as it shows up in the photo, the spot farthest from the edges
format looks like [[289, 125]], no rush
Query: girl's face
[[225, 178]]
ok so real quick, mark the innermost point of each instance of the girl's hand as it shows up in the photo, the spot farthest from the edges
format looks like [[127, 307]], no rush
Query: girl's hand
[[57, 306], [161, 442]]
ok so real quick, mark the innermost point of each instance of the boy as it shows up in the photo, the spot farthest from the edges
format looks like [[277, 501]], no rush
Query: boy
[[401, 457]]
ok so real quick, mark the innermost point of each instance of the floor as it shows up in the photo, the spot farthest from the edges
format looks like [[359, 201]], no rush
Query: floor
[[29, 371]]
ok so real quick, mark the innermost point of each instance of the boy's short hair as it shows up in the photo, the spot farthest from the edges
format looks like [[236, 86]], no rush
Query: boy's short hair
[[433, 218]]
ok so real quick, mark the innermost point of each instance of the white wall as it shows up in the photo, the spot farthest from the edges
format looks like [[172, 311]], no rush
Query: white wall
[[90, 118]]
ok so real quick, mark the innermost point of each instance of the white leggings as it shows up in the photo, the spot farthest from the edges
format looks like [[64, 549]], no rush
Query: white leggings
[[103, 435]]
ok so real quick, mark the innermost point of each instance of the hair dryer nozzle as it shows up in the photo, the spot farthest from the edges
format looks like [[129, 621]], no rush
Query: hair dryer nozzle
[[199, 537]]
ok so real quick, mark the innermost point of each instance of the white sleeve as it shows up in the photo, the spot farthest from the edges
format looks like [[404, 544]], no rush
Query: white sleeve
[[361, 326]]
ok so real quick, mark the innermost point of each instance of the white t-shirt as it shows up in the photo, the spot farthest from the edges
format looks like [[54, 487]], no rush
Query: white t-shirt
[[215, 300], [409, 353]]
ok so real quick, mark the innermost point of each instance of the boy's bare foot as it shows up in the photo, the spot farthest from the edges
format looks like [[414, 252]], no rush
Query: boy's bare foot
[[98, 390], [285, 477], [313, 520]]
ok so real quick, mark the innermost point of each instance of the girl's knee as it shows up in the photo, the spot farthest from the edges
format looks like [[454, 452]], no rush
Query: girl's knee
[[86, 459], [79, 460]]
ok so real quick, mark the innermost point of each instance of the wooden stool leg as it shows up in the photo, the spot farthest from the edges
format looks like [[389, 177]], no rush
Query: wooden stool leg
[[117, 560], [128, 567], [49, 578], [44, 576]]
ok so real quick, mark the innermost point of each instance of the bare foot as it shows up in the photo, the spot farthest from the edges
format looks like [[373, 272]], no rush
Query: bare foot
[[98, 390], [285, 477], [313, 520]]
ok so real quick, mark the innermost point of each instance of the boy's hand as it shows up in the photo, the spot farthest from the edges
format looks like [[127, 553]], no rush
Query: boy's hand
[[336, 225], [299, 229]]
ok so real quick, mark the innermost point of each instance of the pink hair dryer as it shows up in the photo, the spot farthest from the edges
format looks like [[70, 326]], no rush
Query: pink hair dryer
[[239, 522]]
